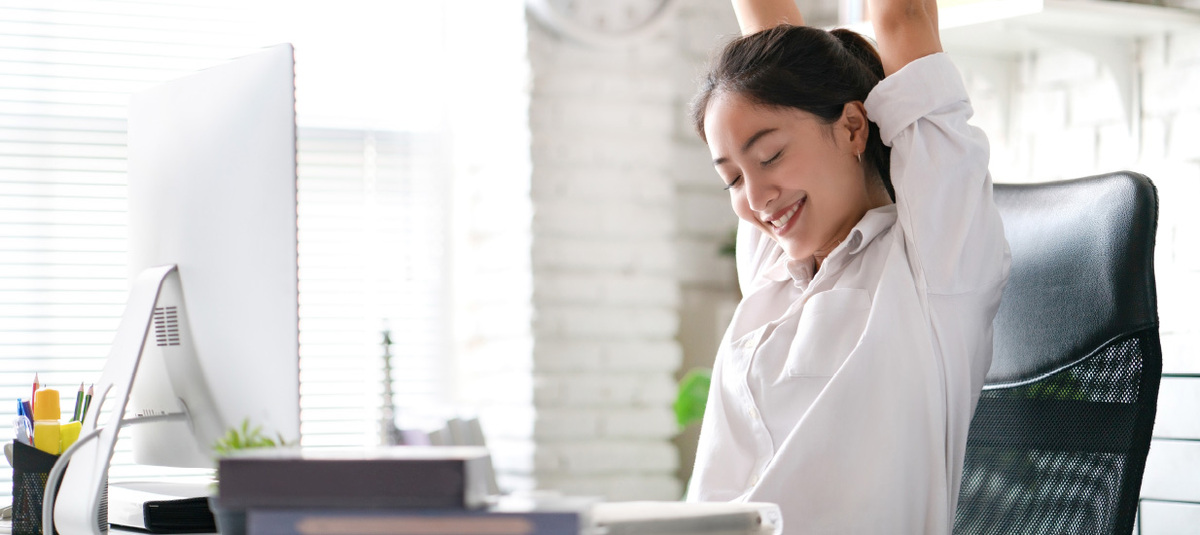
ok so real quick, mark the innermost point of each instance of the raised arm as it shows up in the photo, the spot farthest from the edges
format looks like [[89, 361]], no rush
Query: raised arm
[[758, 15], [905, 30]]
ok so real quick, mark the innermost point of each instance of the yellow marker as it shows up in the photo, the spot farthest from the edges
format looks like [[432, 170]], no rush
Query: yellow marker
[[47, 435], [70, 433]]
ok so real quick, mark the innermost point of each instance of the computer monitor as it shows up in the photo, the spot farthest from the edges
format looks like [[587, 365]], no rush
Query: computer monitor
[[211, 330], [212, 190]]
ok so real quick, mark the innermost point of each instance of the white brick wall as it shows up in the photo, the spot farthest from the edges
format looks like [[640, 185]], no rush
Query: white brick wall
[[703, 215], [605, 294], [1175, 168]]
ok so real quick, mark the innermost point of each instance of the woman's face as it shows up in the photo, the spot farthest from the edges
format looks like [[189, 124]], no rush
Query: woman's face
[[794, 177]]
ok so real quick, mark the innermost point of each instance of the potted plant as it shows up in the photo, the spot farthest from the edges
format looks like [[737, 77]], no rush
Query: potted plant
[[692, 396], [233, 521]]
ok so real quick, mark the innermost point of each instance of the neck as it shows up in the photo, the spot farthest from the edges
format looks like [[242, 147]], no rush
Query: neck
[[820, 256]]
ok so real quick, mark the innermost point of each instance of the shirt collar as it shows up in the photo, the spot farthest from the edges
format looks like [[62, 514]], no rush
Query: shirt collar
[[872, 224]]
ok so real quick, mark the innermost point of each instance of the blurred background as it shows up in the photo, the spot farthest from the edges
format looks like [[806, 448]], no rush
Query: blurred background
[[512, 190]]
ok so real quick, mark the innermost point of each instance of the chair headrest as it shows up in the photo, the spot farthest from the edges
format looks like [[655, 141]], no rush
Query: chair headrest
[[1082, 271]]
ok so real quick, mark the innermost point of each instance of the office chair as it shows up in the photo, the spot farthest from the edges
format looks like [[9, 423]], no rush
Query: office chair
[[1059, 440]]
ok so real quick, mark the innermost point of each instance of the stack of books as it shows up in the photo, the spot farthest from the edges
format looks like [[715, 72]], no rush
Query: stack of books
[[402, 490], [407, 490]]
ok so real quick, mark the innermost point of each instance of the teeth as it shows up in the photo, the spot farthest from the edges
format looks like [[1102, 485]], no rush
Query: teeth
[[786, 217]]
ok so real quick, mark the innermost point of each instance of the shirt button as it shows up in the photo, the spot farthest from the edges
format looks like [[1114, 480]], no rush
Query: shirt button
[[752, 413], [749, 343], [753, 480]]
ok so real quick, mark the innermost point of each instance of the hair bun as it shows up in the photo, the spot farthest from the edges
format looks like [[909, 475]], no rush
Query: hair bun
[[860, 48]]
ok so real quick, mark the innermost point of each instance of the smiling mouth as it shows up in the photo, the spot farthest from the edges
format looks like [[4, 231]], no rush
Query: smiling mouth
[[783, 219]]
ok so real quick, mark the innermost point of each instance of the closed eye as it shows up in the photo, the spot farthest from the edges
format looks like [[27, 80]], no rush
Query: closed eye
[[773, 158], [733, 183]]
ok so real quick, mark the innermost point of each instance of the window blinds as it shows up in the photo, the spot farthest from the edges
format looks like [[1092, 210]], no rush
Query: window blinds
[[372, 232], [372, 257]]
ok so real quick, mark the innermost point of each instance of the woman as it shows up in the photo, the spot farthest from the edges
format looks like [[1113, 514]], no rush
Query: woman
[[845, 385]]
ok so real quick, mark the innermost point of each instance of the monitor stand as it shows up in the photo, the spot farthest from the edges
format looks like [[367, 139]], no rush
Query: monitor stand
[[86, 477]]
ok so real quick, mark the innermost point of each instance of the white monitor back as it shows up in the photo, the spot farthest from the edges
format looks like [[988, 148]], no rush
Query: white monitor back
[[212, 189]]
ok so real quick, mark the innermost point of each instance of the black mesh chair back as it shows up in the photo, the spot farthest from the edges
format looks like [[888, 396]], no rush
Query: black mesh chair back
[[1059, 440]]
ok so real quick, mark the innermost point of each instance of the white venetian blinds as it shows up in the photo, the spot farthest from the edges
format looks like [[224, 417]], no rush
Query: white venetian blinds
[[372, 229], [372, 257]]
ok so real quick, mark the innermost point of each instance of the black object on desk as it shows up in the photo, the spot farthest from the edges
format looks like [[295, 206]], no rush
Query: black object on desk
[[189, 515], [31, 469], [161, 507]]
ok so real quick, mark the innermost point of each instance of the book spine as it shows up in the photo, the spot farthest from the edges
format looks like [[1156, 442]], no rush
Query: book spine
[[249, 483], [417, 522]]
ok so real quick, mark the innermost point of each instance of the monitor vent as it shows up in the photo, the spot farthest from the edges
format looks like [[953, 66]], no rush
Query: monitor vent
[[166, 326]]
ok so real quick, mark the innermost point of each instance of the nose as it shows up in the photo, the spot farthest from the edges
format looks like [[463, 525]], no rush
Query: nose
[[759, 193]]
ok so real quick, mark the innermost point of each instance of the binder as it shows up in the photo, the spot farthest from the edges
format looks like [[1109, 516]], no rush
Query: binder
[[161, 507]]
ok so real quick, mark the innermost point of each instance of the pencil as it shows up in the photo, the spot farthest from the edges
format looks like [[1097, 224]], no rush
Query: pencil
[[78, 405], [34, 395], [87, 401]]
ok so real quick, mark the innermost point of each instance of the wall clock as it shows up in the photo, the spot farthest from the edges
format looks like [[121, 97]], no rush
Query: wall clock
[[603, 23]]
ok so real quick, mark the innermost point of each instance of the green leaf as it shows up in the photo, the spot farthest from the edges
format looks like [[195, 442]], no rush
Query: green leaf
[[692, 396], [245, 438]]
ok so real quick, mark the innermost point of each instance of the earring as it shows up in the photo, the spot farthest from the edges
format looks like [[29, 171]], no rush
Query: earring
[[859, 155]]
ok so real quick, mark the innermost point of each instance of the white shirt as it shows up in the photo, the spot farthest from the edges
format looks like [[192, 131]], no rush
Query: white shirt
[[846, 397]]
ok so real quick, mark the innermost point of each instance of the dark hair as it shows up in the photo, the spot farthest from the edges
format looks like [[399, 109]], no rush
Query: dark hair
[[800, 67]]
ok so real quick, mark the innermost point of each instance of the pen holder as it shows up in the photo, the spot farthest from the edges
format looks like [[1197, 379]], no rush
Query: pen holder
[[31, 469]]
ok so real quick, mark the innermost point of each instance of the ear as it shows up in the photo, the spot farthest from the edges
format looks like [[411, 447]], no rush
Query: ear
[[855, 126]]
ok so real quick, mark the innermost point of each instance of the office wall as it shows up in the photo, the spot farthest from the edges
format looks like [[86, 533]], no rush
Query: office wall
[[707, 281], [604, 289], [568, 348]]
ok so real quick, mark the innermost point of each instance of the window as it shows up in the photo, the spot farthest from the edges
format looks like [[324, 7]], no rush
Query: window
[[372, 191]]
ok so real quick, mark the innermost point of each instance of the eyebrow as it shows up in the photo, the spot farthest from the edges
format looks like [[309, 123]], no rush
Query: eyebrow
[[749, 143]]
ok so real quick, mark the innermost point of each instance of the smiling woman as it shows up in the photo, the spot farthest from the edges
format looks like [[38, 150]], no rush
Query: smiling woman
[[795, 178], [846, 382], [771, 135]]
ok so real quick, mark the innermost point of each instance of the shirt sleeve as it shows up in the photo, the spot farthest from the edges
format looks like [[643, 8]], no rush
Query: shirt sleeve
[[939, 168]]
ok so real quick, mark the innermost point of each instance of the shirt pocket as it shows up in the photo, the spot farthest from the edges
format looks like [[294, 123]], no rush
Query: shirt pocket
[[830, 326]]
